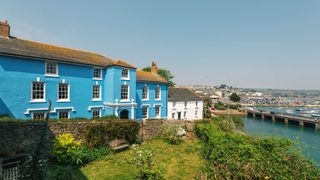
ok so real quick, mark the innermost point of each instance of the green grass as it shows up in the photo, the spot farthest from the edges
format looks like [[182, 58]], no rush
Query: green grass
[[181, 161]]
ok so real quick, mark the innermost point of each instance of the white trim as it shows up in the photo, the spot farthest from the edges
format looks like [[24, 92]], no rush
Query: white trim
[[145, 99], [68, 114], [44, 93], [127, 78], [125, 100], [155, 94], [51, 75], [145, 105], [157, 105], [94, 78], [95, 107], [63, 100], [54, 110], [155, 110], [32, 116], [147, 113], [96, 99], [116, 105]]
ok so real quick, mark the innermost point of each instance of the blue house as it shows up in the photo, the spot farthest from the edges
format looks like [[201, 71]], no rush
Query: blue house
[[78, 83]]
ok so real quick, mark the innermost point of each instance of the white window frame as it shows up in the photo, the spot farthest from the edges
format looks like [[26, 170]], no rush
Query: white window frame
[[64, 100], [185, 114], [63, 111], [96, 99], [97, 78], [44, 93], [196, 113], [128, 99], [158, 99], [156, 111], [186, 104], [38, 112], [173, 115], [128, 75], [173, 104], [145, 99], [147, 112], [197, 103], [96, 110], [51, 75]]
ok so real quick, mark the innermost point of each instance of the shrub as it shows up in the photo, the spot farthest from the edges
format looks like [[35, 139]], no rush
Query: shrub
[[62, 145], [106, 117], [98, 135], [222, 108], [238, 122]]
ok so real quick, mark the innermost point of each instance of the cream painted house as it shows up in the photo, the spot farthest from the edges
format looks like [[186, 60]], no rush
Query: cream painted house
[[184, 104]]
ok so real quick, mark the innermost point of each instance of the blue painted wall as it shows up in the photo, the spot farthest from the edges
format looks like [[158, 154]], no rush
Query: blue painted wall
[[16, 75], [152, 101]]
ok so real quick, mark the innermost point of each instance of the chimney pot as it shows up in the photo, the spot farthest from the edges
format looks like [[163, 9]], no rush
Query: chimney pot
[[5, 21]]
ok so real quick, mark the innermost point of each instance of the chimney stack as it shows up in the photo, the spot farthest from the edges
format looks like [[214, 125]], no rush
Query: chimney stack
[[4, 29], [154, 68]]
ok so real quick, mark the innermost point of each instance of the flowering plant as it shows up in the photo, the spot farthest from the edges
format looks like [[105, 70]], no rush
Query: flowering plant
[[146, 162], [174, 132]]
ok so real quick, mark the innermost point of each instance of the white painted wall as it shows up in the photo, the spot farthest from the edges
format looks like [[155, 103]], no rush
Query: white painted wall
[[190, 109]]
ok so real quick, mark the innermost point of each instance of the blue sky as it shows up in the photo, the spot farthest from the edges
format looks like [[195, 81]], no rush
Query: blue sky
[[249, 44]]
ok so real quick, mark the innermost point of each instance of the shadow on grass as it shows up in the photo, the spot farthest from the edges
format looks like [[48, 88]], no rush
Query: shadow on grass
[[78, 175]]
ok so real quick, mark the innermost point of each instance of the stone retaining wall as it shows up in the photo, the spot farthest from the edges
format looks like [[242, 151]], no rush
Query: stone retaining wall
[[27, 132]]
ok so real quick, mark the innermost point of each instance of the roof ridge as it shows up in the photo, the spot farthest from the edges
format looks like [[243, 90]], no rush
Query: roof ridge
[[64, 47], [118, 61]]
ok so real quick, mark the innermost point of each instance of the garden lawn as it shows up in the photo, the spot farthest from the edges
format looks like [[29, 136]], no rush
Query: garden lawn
[[181, 162]]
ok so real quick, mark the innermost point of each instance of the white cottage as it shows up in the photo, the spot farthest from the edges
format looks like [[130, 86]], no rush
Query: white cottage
[[184, 104]]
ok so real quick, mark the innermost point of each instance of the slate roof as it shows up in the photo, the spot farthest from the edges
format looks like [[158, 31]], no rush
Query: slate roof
[[20, 47], [182, 94], [123, 64], [144, 76]]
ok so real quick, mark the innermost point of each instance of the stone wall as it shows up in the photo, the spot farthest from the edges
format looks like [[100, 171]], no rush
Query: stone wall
[[27, 132]]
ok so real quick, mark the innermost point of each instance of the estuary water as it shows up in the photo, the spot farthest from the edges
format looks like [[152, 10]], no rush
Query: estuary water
[[308, 135]]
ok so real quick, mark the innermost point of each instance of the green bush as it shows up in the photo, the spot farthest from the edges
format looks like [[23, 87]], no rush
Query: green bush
[[62, 145], [238, 122], [98, 135], [238, 156], [222, 108]]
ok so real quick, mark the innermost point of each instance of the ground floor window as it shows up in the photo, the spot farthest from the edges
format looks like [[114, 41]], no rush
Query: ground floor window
[[96, 112], [63, 114], [157, 111], [38, 115], [196, 113], [185, 114], [144, 112], [173, 115]]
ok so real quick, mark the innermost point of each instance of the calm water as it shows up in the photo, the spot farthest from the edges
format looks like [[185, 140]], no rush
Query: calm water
[[308, 135]]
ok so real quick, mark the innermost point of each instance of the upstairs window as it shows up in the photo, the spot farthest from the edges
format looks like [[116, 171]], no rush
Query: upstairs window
[[97, 73], [145, 93], [38, 91], [196, 113], [174, 104], [63, 91], [96, 92], [185, 104], [51, 69], [158, 91], [196, 103], [124, 92], [125, 73]]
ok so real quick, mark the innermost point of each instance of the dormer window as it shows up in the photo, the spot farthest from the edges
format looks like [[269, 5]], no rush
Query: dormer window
[[97, 74], [125, 73], [51, 69]]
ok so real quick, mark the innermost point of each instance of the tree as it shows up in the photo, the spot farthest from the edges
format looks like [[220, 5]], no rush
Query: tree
[[234, 97], [166, 74]]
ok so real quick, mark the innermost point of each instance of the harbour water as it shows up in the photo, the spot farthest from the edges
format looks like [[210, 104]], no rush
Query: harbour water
[[308, 135]]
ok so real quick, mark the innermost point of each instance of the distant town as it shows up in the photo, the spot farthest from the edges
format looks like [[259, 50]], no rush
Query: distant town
[[257, 96]]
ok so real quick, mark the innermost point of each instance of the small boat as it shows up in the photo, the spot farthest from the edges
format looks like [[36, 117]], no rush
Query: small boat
[[298, 109], [306, 115], [315, 115], [289, 111], [301, 112]]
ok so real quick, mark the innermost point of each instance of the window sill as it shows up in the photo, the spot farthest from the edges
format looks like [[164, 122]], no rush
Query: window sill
[[96, 99], [145, 99], [64, 100], [125, 100], [174, 108], [38, 101], [185, 107], [158, 99], [197, 107], [51, 75], [127, 79], [100, 79]]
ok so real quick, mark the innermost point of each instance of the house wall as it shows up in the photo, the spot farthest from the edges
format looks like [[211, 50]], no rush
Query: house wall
[[190, 109], [16, 75], [152, 102]]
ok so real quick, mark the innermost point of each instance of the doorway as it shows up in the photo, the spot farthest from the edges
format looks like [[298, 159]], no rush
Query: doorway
[[124, 114], [179, 115]]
